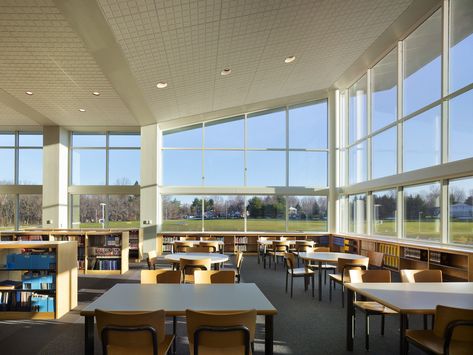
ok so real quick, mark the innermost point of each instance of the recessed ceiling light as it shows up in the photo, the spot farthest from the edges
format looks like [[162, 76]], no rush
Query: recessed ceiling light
[[29, 93], [161, 85], [290, 59], [225, 71], [96, 93], [82, 109]]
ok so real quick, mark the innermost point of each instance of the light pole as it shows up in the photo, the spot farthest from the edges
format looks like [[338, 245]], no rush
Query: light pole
[[102, 221], [420, 216]]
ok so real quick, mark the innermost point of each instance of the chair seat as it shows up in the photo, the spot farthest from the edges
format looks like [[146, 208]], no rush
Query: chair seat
[[338, 278], [163, 348], [277, 253], [189, 279], [323, 266], [300, 271], [205, 350], [371, 306], [427, 339]]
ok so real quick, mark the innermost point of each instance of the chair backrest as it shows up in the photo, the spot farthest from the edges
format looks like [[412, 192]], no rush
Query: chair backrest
[[280, 246], [444, 315], [346, 264], [221, 332], [208, 238], [322, 250], [152, 259], [162, 276], [181, 247], [189, 265], [139, 331], [412, 276], [199, 249], [239, 260], [290, 260], [212, 245], [302, 246], [363, 276], [214, 276], [376, 258]]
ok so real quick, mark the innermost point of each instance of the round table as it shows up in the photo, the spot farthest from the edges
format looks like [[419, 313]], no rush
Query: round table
[[196, 243], [214, 257], [327, 257]]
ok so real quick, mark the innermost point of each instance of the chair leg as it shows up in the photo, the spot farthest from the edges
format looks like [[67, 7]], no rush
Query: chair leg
[[313, 286], [382, 323], [325, 276], [367, 332], [433, 320], [425, 321], [330, 290], [292, 286], [174, 329], [287, 275], [343, 296]]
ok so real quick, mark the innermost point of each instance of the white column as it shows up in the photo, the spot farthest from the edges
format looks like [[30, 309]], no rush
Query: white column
[[150, 211], [55, 176], [333, 118]]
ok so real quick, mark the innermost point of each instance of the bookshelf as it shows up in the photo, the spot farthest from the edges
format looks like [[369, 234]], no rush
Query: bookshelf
[[106, 252], [38, 279]]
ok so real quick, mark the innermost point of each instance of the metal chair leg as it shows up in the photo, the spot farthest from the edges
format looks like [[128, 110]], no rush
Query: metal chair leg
[[382, 323], [367, 331], [313, 286], [330, 290], [287, 275], [292, 286]]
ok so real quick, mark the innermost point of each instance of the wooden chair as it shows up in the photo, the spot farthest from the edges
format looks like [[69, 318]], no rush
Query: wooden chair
[[229, 333], [302, 246], [152, 260], [304, 272], [376, 259], [344, 265], [133, 333], [181, 247], [208, 238], [211, 245], [413, 276], [199, 249], [188, 266], [161, 276], [325, 266], [452, 333], [278, 249], [370, 307], [214, 276]]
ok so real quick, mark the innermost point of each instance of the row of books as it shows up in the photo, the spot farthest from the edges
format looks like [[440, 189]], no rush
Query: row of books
[[389, 249], [105, 251], [112, 240], [16, 301], [99, 264], [416, 254]]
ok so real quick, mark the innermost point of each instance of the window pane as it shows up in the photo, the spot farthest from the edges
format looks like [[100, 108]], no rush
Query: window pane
[[266, 168], [385, 212], [422, 64], [357, 162], [7, 211], [422, 212], [357, 213], [123, 211], [182, 213], [461, 211], [124, 140], [88, 167], [7, 139], [224, 168], [384, 153], [124, 167], [384, 91], [358, 119], [224, 213], [7, 166], [308, 126], [188, 137], [30, 140], [461, 127], [227, 133], [88, 140], [461, 43], [307, 169], [266, 213], [182, 168], [30, 211], [307, 213], [87, 211], [267, 130], [422, 137], [30, 166]]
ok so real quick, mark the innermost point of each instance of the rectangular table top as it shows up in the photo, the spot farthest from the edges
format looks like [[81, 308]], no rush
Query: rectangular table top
[[417, 297], [176, 298]]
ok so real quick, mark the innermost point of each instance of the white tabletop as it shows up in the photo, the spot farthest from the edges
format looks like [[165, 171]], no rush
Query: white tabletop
[[417, 297], [329, 256], [176, 298], [214, 257], [197, 242]]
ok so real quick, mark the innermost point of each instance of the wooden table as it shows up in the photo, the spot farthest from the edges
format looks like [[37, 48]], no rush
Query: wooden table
[[327, 257], [196, 243], [408, 298], [174, 299]]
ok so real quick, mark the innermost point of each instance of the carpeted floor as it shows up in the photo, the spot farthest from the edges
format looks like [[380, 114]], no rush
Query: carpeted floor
[[303, 326]]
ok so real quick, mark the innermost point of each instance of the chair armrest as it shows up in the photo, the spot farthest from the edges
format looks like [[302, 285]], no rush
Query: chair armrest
[[449, 332]]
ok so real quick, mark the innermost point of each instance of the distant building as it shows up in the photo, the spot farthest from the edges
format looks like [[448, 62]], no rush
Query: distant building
[[461, 211]]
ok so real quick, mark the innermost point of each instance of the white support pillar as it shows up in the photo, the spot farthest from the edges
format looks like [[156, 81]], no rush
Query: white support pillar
[[333, 113], [55, 176], [150, 210]]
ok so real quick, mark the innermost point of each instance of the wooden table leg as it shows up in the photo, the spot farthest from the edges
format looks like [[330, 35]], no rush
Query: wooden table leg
[[350, 320], [269, 334], [403, 327], [320, 281], [89, 335]]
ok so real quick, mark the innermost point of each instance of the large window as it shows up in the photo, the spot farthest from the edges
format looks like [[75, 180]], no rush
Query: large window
[[384, 153], [461, 211], [20, 211], [266, 213], [21, 158], [358, 119], [7, 211], [224, 213], [384, 212], [105, 159], [182, 213], [307, 213], [461, 127], [422, 212]]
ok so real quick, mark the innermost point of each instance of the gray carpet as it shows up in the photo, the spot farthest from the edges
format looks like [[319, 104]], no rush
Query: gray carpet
[[303, 326]]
